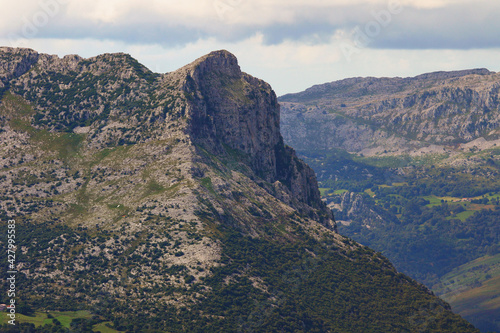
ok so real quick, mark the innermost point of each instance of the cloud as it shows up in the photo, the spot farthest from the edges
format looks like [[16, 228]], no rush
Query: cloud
[[422, 24], [456, 26]]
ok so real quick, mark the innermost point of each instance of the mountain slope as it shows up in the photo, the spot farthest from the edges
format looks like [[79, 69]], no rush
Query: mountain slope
[[170, 203]]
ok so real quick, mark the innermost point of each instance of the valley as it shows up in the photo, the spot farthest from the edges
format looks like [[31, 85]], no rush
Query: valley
[[429, 203]]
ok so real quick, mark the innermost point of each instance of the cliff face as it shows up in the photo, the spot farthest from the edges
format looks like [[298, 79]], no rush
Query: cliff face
[[229, 107], [14, 63], [233, 108]]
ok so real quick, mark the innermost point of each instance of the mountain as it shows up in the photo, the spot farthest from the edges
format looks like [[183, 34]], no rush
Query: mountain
[[372, 116], [411, 168], [149, 202]]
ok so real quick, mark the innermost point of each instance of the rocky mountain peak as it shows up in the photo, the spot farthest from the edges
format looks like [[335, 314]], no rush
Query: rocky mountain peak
[[113, 101], [216, 62], [14, 62], [229, 108]]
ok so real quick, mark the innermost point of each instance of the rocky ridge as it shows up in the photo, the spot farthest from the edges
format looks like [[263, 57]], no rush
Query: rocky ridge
[[217, 103], [436, 111]]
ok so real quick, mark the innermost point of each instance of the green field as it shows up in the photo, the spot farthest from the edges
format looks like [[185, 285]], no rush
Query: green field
[[370, 193], [463, 215], [340, 192], [323, 191], [437, 200], [103, 328], [470, 207], [65, 318], [40, 318], [470, 273]]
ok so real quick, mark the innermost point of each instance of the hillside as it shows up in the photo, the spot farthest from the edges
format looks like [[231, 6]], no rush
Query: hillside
[[169, 203], [411, 168]]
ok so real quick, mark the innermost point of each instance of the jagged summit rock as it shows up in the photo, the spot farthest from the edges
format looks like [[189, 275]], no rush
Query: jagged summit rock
[[169, 202], [220, 61], [227, 106], [234, 108]]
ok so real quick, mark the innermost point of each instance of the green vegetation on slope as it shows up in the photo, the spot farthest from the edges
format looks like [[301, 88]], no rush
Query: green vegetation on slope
[[427, 219], [307, 286], [57, 321], [263, 286]]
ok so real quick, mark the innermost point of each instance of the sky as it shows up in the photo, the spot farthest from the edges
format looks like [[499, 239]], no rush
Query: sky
[[292, 44]]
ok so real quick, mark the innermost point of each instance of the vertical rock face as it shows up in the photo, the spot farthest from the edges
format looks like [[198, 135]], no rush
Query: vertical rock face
[[233, 108], [229, 107]]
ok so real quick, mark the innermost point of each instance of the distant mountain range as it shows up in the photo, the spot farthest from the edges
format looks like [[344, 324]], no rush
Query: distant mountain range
[[376, 116]]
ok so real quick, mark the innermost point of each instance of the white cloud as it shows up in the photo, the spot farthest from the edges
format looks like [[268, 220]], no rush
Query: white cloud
[[171, 22]]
